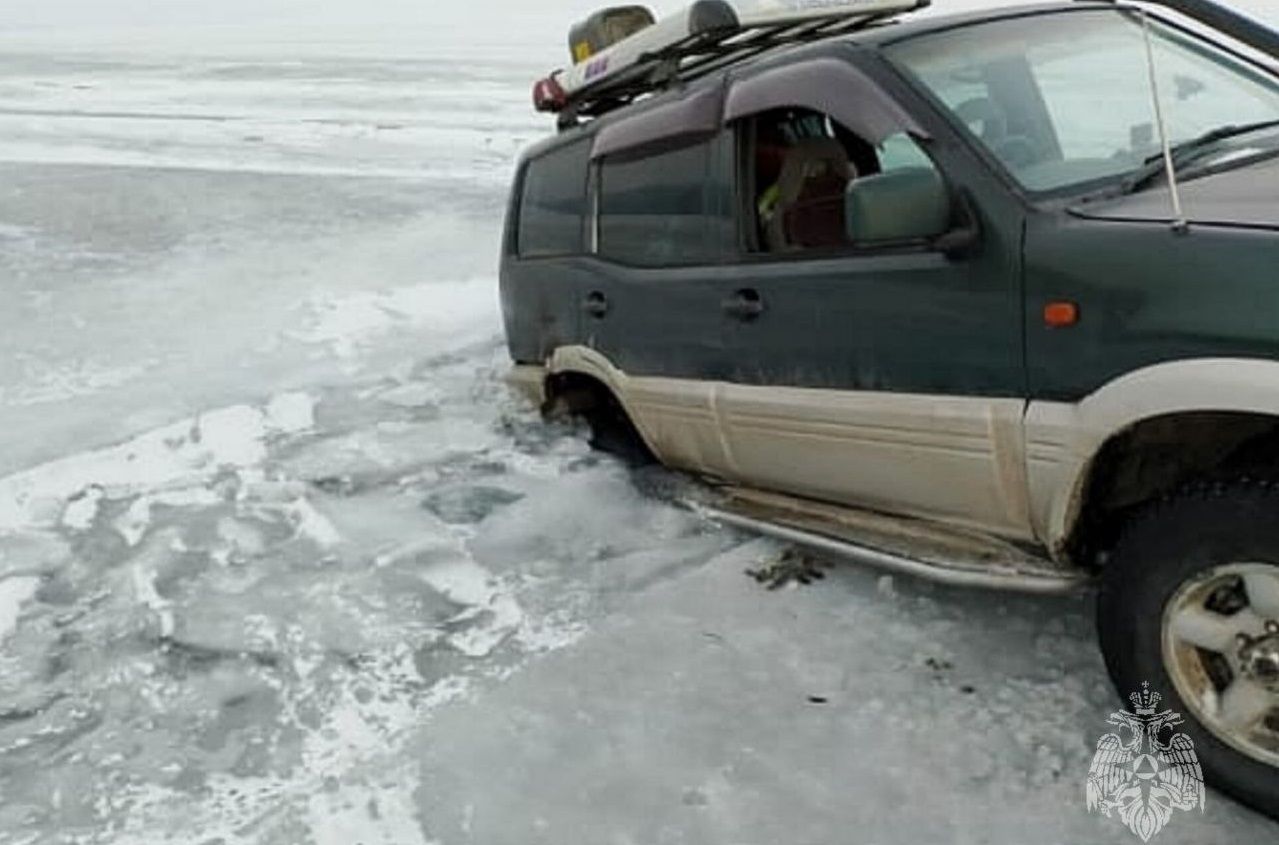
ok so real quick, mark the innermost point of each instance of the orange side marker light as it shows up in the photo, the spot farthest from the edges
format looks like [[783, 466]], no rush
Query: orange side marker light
[[1060, 315]]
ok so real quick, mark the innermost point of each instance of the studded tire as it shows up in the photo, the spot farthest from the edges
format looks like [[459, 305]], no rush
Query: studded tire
[[1179, 541]]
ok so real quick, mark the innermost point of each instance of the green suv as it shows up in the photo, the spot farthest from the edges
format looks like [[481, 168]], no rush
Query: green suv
[[990, 298]]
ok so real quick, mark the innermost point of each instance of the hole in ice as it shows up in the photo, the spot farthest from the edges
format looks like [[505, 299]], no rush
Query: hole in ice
[[469, 505]]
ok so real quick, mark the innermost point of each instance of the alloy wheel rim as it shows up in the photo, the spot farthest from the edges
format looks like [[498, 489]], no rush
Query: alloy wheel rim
[[1221, 650]]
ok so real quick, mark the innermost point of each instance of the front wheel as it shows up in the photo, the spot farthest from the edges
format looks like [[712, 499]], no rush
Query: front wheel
[[1190, 603]]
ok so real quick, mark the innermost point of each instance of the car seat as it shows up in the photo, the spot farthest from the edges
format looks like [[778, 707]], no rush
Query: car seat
[[810, 205]]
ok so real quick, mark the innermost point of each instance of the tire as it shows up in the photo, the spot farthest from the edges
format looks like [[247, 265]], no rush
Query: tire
[[613, 433], [611, 429], [1170, 554]]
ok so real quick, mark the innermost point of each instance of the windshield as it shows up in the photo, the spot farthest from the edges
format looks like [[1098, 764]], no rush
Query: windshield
[[1066, 100]]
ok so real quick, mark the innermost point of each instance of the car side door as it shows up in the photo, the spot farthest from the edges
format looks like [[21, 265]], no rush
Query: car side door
[[885, 371], [663, 245]]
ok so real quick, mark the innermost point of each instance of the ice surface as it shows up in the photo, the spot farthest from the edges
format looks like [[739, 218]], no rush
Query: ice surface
[[175, 459], [703, 711], [283, 561], [244, 640]]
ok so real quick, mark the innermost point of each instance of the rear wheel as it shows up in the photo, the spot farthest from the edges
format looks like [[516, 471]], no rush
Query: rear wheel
[[1190, 603], [612, 430]]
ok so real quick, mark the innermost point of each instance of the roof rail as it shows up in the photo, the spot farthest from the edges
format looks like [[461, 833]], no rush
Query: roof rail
[[707, 36]]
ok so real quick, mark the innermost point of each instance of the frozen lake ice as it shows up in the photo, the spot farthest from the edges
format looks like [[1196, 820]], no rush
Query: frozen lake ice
[[283, 561]]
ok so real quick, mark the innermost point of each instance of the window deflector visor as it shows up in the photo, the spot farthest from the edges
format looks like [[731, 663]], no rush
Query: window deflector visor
[[664, 125], [830, 86], [825, 85]]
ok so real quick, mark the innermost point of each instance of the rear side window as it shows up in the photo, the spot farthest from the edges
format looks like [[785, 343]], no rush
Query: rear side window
[[665, 210], [553, 203]]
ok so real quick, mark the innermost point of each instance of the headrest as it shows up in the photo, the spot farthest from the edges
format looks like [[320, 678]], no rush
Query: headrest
[[808, 159]]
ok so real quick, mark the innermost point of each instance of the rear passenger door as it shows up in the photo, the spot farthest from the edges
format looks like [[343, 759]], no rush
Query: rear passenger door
[[665, 248], [665, 233]]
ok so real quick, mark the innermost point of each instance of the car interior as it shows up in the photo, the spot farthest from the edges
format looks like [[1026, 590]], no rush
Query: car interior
[[803, 164]]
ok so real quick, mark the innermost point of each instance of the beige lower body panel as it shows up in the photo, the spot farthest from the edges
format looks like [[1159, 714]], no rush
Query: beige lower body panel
[[955, 460], [1058, 452], [1001, 466]]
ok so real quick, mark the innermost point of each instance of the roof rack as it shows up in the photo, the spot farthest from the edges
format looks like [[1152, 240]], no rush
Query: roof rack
[[706, 37]]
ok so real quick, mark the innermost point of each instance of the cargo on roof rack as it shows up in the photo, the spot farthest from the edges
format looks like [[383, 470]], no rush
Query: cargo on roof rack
[[623, 53]]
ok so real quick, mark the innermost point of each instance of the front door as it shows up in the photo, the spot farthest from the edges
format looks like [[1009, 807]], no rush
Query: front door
[[883, 374]]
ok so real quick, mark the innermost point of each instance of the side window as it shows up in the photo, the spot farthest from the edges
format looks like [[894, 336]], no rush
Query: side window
[[669, 209], [900, 152], [803, 167], [553, 203]]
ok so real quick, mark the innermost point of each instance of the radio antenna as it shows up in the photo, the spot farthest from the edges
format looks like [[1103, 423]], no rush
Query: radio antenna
[[1179, 222]]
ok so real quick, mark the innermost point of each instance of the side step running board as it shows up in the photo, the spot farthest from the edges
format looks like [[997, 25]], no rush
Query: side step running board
[[908, 547]]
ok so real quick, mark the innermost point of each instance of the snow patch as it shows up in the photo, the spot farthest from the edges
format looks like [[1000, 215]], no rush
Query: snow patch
[[291, 413], [312, 524], [496, 613], [14, 593], [180, 455], [446, 311], [368, 815], [148, 596], [134, 523], [491, 615], [48, 384], [82, 511]]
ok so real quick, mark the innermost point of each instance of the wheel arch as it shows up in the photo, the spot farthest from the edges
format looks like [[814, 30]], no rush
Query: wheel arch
[[583, 381], [1142, 436]]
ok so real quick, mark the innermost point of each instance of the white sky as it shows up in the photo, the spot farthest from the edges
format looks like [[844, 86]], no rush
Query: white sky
[[129, 13], [530, 31]]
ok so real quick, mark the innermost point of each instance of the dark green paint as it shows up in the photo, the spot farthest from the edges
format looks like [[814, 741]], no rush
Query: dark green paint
[[1147, 295], [916, 320]]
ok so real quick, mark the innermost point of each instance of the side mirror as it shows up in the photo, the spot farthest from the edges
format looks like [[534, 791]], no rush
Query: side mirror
[[910, 204], [963, 240]]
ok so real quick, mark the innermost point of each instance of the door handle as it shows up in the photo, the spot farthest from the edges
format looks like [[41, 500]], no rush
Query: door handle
[[745, 305], [596, 305]]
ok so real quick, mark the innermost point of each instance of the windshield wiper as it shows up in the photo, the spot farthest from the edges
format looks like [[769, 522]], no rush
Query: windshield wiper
[[1188, 151]]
